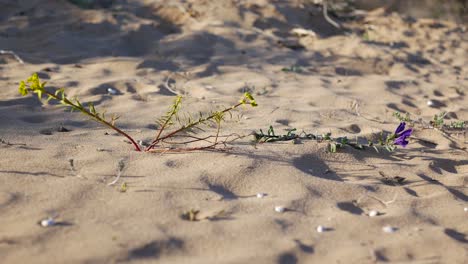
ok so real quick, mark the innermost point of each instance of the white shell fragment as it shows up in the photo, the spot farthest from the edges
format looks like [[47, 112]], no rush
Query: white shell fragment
[[373, 213], [321, 229], [47, 222], [261, 195], [111, 91], [430, 103], [389, 229], [280, 209], [466, 209]]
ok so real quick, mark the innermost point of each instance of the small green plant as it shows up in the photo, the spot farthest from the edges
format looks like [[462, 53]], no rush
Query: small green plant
[[190, 123], [438, 120], [458, 124], [34, 85], [402, 117], [193, 215], [123, 188], [389, 142]]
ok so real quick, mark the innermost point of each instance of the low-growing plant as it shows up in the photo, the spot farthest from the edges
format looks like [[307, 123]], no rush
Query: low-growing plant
[[389, 142], [458, 124], [438, 120], [34, 85], [402, 117], [123, 188]]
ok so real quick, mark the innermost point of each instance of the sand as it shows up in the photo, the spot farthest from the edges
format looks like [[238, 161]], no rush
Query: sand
[[346, 81]]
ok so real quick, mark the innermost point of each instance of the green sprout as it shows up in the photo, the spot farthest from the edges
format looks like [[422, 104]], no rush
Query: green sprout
[[123, 188], [401, 117], [458, 124], [438, 120]]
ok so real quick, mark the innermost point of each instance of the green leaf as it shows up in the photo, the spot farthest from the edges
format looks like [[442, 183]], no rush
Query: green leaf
[[39, 93], [92, 109], [271, 131], [49, 97], [23, 90], [251, 99]]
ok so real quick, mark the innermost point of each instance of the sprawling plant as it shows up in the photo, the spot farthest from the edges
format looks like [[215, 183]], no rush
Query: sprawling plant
[[34, 85]]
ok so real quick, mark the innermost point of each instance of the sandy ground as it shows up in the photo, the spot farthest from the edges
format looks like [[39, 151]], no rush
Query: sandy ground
[[348, 82]]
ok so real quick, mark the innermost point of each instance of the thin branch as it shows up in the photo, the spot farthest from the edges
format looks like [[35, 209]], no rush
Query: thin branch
[[9, 52], [184, 128], [168, 87], [327, 18]]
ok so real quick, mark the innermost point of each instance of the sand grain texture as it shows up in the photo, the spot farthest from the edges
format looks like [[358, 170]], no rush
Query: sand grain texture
[[212, 52]]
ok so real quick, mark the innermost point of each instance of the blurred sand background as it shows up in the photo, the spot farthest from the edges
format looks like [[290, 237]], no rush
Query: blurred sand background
[[347, 81]]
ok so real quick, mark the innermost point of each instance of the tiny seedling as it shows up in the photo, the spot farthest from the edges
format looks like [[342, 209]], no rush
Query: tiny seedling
[[438, 120], [194, 215], [457, 124], [123, 187], [34, 85], [191, 215], [402, 117]]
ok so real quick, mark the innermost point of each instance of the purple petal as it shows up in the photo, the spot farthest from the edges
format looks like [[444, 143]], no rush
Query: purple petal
[[401, 141], [406, 133], [400, 127]]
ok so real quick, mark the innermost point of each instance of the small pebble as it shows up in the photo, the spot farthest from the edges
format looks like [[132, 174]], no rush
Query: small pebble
[[321, 229], [47, 222], [261, 195], [466, 209], [373, 213], [430, 103], [389, 229], [280, 209], [111, 91]]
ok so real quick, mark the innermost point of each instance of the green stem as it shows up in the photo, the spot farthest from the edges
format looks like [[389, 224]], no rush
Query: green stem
[[183, 128]]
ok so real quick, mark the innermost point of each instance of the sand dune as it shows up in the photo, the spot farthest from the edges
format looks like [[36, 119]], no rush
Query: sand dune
[[347, 81]]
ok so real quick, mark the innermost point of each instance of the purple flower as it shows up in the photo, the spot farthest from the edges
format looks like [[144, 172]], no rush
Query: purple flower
[[401, 134]]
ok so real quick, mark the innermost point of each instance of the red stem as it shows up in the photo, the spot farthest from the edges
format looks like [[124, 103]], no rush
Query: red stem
[[156, 141], [97, 118]]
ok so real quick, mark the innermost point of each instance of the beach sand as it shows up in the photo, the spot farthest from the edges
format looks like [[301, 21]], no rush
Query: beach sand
[[346, 81]]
